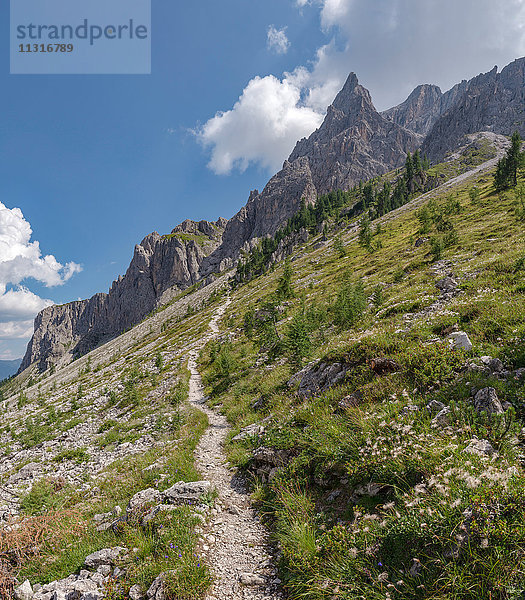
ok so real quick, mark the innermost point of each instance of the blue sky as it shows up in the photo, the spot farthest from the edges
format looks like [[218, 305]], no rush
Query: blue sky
[[95, 163]]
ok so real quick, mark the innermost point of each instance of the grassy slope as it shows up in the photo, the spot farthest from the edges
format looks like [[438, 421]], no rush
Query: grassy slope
[[137, 391], [439, 523], [339, 548]]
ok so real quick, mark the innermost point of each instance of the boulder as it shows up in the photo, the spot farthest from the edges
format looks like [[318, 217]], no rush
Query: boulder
[[143, 499], [186, 492], [107, 556], [156, 590], [447, 284], [480, 447], [442, 419], [251, 579], [24, 591], [435, 406], [136, 593], [486, 400], [318, 377], [461, 340], [266, 461]]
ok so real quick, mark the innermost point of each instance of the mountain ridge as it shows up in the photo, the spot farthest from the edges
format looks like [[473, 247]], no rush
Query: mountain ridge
[[354, 143]]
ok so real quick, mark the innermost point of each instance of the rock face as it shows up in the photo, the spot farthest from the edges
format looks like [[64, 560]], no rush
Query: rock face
[[159, 263], [354, 143], [424, 106], [490, 102]]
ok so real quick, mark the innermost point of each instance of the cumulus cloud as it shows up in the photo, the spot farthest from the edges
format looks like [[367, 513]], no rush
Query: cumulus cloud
[[21, 330], [276, 40], [262, 126], [21, 259], [20, 304], [392, 45]]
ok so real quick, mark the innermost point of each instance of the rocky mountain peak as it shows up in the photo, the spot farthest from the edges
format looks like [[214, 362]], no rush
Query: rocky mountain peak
[[490, 101], [419, 111], [351, 96]]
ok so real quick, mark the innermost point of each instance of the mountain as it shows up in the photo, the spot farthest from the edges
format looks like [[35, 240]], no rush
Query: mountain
[[354, 143], [160, 264], [424, 106], [491, 102], [9, 367]]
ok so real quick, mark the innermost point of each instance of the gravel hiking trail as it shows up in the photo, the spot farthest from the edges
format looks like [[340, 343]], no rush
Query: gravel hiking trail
[[235, 542]]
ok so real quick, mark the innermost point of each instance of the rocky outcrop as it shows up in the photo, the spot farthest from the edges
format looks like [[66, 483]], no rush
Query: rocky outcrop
[[490, 102], [419, 111], [424, 106], [354, 142], [159, 263]]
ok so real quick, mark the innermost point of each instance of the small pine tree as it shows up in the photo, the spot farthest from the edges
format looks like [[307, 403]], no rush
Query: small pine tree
[[297, 339], [507, 169], [514, 158], [474, 194], [365, 233], [416, 163], [284, 286], [339, 247], [409, 168]]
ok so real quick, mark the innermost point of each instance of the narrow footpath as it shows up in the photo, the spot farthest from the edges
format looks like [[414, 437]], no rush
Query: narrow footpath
[[235, 541]]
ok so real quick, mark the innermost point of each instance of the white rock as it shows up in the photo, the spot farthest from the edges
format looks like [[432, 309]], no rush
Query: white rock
[[251, 579], [461, 340], [480, 447], [24, 591]]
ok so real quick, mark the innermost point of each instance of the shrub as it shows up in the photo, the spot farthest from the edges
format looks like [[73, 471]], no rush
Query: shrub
[[297, 338], [79, 455], [436, 247], [350, 304], [284, 286], [339, 247], [436, 363]]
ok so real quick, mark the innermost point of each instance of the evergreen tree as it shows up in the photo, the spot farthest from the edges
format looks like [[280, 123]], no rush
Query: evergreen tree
[[416, 163], [500, 176], [365, 233], [514, 158], [284, 287], [409, 168], [368, 194], [507, 169], [339, 246]]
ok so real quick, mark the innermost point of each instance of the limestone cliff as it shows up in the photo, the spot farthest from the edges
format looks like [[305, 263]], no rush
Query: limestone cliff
[[490, 102], [159, 263]]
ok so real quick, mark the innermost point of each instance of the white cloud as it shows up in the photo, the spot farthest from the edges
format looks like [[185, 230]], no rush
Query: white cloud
[[20, 304], [276, 40], [392, 45], [21, 259], [262, 127], [16, 330]]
